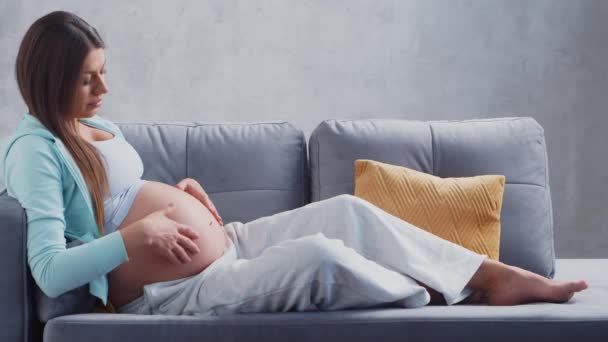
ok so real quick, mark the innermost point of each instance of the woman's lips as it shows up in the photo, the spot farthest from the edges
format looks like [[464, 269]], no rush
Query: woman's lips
[[95, 104]]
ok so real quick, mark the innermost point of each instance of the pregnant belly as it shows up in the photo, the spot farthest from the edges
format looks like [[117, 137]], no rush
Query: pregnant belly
[[126, 281]]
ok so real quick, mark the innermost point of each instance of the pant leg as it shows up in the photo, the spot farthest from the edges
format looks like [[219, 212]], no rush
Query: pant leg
[[372, 232], [138, 306], [305, 274]]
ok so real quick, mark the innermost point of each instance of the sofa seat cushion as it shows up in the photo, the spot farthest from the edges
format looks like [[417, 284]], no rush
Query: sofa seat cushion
[[583, 318]]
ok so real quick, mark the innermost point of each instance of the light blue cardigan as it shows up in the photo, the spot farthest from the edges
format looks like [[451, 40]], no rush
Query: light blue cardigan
[[41, 174]]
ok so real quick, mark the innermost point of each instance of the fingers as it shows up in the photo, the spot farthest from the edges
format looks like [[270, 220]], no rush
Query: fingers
[[216, 215], [181, 249], [187, 231], [199, 193], [213, 211], [172, 258], [183, 184], [181, 254], [188, 244]]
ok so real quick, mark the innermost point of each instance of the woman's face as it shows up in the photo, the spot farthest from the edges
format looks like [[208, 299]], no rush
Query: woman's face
[[91, 85]]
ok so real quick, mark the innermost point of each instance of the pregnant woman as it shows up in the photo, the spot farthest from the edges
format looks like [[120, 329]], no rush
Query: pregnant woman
[[155, 248]]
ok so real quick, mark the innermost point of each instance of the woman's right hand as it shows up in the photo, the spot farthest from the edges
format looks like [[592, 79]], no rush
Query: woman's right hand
[[168, 238]]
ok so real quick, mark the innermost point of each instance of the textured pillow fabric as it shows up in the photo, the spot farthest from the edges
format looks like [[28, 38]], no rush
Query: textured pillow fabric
[[463, 210], [78, 300]]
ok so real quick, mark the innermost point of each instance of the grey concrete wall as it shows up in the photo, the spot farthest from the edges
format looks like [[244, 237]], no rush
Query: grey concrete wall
[[309, 60]]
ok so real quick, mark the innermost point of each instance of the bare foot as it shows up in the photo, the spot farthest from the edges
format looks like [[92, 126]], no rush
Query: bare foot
[[513, 285]]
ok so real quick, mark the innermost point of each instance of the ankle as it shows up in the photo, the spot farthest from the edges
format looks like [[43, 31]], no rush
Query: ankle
[[487, 275]]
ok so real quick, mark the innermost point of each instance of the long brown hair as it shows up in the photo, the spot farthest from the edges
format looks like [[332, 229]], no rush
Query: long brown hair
[[47, 69]]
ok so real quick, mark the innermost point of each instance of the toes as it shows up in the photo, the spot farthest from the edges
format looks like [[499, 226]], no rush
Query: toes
[[564, 292], [578, 286]]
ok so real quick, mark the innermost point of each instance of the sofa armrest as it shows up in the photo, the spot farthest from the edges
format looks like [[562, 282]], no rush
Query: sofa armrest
[[17, 320]]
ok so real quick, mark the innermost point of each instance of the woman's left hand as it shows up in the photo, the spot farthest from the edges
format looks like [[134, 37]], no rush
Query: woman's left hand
[[192, 187]]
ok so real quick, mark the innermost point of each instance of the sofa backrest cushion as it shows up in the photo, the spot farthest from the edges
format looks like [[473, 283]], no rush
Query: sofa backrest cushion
[[249, 170], [513, 147]]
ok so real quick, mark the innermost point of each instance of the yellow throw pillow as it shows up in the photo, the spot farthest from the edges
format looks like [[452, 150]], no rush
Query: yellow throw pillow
[[463, 210]]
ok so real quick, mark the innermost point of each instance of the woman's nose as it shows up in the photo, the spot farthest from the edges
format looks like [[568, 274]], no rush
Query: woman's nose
[[102, 87]]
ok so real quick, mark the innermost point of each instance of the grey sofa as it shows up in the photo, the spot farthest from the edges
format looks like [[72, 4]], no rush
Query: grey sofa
[[258, 169]]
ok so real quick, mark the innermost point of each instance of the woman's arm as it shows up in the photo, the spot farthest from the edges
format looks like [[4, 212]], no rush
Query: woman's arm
[[33, 177]]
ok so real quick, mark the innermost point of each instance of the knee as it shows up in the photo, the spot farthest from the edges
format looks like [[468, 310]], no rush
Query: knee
[[321, 251], [351, 200], [346, 199]]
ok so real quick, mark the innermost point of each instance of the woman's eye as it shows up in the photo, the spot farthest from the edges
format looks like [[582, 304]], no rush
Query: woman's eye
[[85, 82]]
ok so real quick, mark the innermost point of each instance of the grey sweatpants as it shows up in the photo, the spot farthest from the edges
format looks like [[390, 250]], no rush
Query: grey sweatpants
[[339, 253]]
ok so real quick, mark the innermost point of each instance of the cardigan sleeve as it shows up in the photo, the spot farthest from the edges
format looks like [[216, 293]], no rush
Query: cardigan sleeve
[[33, 176]]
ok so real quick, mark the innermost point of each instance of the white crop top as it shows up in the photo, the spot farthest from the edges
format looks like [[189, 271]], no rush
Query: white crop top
[[124, 169]]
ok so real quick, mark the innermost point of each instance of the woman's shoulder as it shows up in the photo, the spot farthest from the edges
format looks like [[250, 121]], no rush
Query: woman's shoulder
[[29, 142], [28, 163], [31, 148]]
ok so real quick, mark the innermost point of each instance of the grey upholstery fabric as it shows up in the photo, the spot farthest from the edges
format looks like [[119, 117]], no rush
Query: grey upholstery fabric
[[249, 170], [514, 147], [584, 318], [18, 321]]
